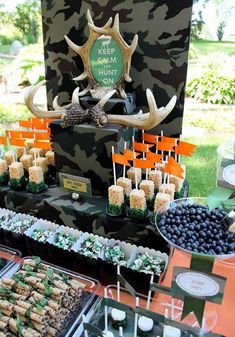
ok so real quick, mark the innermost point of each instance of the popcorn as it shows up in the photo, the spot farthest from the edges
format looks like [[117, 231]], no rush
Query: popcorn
[[27, 161], [134, 174], [161, 200], [116, 195], [9, 156], [148, 187], [16, 170], [169, 189], [35, 174], [178, 182], [137, 199], [42, 162]]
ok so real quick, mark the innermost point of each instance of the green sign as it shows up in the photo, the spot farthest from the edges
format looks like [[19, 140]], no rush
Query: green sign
[[106, 61]]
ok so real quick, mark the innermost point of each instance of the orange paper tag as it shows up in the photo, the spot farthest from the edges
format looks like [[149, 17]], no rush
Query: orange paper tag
[[42, 145], [170, 140], [157, 158], [3, 140], [131, 154], [25, 124], [141, 147], [174, 168], [14, 134], [143, 163], [38, 124], [150, 138], [120, 159], [185, 148], [28, 134], [17, 142], [42, 135], [161, 146]]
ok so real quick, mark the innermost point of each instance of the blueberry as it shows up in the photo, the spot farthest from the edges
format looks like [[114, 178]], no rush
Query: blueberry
[[218, 249]]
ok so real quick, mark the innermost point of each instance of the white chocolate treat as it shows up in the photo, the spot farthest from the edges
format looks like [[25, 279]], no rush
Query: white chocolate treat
[[29, 143], [27, 161], [118, 315], [170, 331], [137, 199], [36, 152], [50, 156], [178, 182], [9, 156], [16, 170], [169, 189], [42, 162], [145, 323], [134, 171], [20, 151], [108, 334], [35, 174], [161, 200], [126, 184], [116, 195], [148, 187], [3, 166], [156, 177]]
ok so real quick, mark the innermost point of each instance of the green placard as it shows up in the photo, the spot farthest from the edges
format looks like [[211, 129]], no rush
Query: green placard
[[106, 61]]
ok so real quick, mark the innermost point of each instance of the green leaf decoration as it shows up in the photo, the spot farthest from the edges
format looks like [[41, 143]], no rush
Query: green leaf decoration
[[19, 325], [50, 274]]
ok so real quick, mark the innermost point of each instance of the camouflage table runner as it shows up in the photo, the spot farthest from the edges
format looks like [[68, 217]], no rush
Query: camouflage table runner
[[87, 215]]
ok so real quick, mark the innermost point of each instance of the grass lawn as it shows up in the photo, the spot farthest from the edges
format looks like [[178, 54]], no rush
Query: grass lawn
[[202, 167], [207, 47], [5, 49]]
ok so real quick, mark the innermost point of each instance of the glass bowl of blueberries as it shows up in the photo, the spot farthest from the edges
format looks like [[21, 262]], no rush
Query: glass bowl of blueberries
[[188, 224]]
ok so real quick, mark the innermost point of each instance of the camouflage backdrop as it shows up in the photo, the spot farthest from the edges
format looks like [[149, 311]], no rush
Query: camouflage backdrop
[[159, 63]]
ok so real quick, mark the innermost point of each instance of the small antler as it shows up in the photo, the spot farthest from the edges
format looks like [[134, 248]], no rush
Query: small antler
[[148, 120]]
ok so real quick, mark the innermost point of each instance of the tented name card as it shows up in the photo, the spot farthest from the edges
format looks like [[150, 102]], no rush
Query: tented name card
[[75, 184]]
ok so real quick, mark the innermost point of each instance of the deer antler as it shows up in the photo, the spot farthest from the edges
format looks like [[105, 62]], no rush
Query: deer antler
[[148, 120]]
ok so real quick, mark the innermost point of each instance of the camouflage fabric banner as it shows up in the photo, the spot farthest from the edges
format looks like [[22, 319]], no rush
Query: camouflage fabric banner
[[159, 62]]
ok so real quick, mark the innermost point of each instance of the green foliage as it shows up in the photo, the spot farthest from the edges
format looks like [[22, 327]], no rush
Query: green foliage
[[193, 53], [13, 113], [212, 87], [27, 18]]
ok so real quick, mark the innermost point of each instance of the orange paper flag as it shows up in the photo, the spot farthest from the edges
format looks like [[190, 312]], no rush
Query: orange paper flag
[[27, 134], [42, 136], [120, 159], [25, 124], [141, 147], [174, 168], [17, 142], [3, 140], [131, 154], [38, 123], [143, 163], [170, 140], [149, 138], [162, 146], [185, 148], [157, 158], [14, 134], [42, 145]]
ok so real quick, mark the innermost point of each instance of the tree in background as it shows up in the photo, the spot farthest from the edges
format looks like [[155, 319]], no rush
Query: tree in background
[[27, 18], [197, 20], [225, 9]]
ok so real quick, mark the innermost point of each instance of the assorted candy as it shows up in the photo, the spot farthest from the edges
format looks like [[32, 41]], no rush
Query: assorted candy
[[20, 225], [195, 228], [41, 235], [115, 255], [91, 247], [65, 241], [148, 264]]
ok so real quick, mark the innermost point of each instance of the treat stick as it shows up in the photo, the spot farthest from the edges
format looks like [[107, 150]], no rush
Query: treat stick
[[143, 142], [175, 153], [172, 309], [161, 140], [147, 170], [118, 284], [136, 182], [105, 313], [156, 151], [121, 331], [114, 169], [124, 166], [179, 154], [149, 293], [136, 318], [85, 330]]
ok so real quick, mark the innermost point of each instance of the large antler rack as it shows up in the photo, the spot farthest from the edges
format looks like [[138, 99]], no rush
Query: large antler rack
[[84, 52]]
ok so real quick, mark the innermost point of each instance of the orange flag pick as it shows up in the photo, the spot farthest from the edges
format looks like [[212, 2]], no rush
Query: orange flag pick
[[185, 148], [25, 124], [141, 147], [162, 146], [130, 154], [143, 163], [157, 158], [3, 140], [149, 138], [17, 141], [42, 145], [174, 168], [170, 140], [120, 159]]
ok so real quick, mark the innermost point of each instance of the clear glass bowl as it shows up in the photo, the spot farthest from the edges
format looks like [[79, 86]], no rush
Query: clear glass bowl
[[179, 202]]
